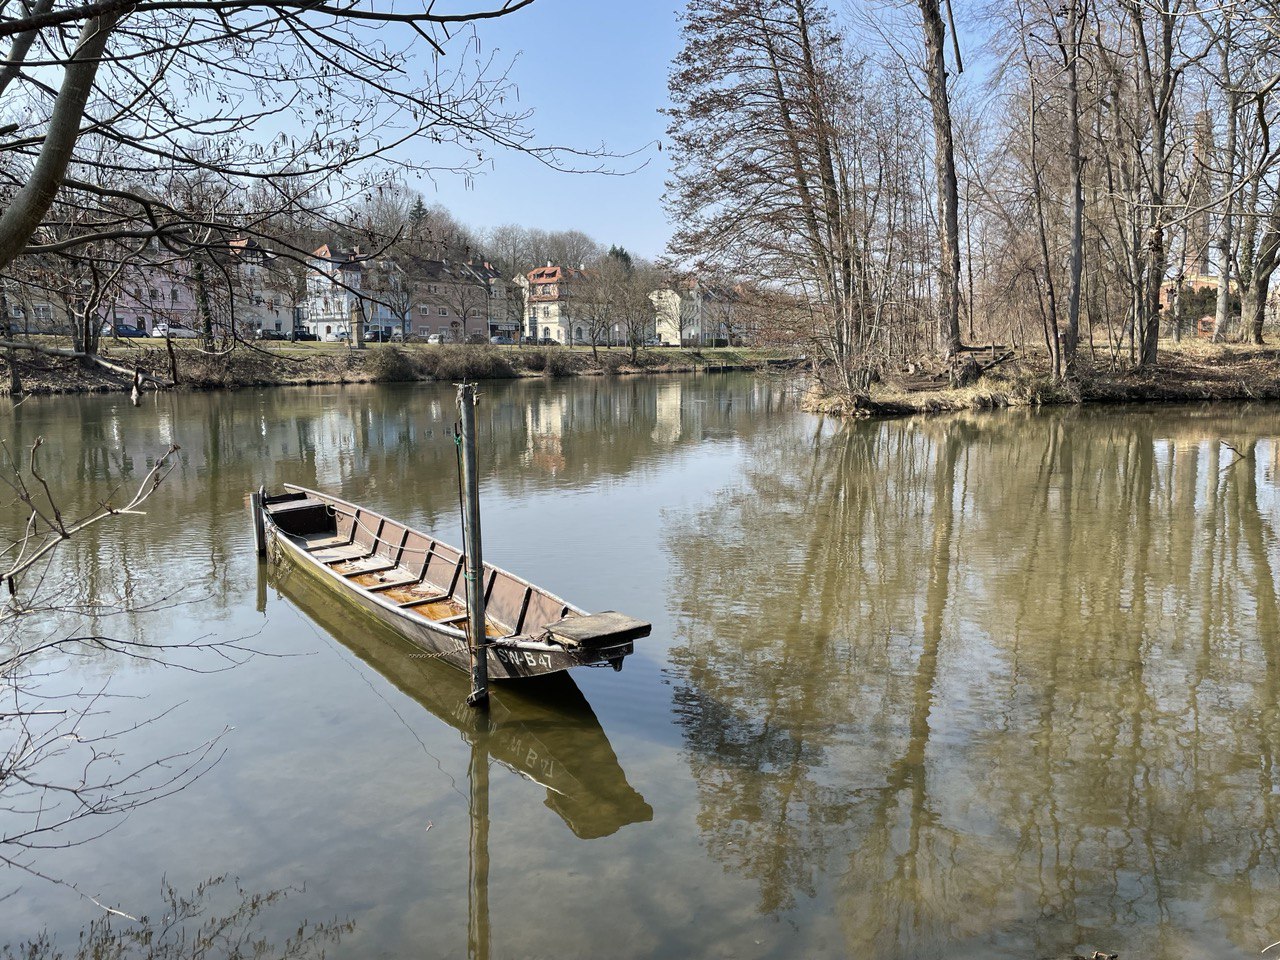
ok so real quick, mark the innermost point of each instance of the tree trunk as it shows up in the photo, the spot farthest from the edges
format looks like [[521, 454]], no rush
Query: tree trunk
[[29, 205], [10, 355], [202, 301], [1253, 306], [1071, 337], [945, 171], [1222, 315], [1049, 313]]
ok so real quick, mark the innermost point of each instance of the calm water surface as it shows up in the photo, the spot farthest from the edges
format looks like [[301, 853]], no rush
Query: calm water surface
[[1000, 685]]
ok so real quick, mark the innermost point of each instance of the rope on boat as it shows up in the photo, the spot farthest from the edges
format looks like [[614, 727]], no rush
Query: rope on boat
[[355, 519]]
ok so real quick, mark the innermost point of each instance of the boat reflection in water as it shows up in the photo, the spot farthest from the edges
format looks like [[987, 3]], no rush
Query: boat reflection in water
[[543, 730]]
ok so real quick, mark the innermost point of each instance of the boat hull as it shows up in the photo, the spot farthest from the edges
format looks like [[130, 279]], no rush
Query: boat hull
[[508, 658]]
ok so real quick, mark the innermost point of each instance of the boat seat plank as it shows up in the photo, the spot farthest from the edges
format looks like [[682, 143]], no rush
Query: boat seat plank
[[338, 554], [597, 629], [363, 565], [320, 541], [291, 506], [407, 580], [435, 598]]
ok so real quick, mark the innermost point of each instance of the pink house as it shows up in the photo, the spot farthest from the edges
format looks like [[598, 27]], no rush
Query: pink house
[[154, 293]]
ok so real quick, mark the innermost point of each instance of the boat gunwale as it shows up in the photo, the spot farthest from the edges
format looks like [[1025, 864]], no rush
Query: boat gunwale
[[521, 640]]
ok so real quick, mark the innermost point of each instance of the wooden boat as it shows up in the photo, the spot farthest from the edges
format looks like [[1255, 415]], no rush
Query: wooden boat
[[415, 584]]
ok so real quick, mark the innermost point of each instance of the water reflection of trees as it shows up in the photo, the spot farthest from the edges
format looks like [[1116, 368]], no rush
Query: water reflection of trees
[[217, 919], [1009, 680], [387, 446]]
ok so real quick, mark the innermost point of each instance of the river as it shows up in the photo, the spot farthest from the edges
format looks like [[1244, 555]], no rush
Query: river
[[997, 685]]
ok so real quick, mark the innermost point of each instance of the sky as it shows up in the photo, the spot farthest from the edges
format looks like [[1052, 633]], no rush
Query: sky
[[593, 71]]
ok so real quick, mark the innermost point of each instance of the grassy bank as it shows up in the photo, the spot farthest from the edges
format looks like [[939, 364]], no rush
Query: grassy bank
[[1188, 372], [283, 364]]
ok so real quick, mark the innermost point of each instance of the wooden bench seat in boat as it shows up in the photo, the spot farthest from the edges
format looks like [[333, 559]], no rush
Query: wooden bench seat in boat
[[597, 629], [327, 555]]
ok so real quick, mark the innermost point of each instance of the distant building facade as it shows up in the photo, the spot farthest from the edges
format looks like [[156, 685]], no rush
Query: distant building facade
[[412, 295], [555, 308], [694, 313]]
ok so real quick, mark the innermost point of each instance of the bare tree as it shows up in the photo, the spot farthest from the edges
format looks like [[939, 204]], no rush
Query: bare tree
[[106, 100]]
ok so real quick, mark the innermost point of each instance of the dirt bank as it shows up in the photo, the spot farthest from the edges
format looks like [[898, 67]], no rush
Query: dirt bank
[[299, 364], [1184, 373]]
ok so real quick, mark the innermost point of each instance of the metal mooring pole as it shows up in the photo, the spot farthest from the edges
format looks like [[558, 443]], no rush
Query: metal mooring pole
[[259, 527], [471, 544]]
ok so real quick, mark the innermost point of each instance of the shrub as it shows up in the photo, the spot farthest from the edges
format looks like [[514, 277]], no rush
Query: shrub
[[389, 365], [612, 361], [458, 362], [550, 361]]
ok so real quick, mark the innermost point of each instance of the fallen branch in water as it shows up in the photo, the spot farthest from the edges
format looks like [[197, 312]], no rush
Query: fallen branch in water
[[45, 527]]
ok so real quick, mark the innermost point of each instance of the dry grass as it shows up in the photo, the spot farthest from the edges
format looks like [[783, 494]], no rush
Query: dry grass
[[1192, 371]]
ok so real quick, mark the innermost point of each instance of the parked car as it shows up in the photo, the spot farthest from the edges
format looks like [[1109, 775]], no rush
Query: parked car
[[548, 342], [437, 338], [477, 338], [122, 330], [301, 333], [265, 334], [173, 331], [506, 341]]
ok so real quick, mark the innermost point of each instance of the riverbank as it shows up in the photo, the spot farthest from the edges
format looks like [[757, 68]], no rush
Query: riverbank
[[1187, 372], [289, 364]]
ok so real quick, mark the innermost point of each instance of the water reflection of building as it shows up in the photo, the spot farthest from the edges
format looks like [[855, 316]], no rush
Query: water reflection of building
[[544, 444], [670, 422]]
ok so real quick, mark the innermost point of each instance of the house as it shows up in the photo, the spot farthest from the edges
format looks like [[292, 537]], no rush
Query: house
[[555, 307], [333, 292], [693, 312], [416, 295], [458, 299], [260, 300]]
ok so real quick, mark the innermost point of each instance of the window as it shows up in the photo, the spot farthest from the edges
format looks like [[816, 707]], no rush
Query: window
[[424, 309], [137, 293], [546, 333], [16, 313], [443, 311], [546, 312], [432, 288], [155, 294], [173, 295], [42, 311], [328, 328]]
